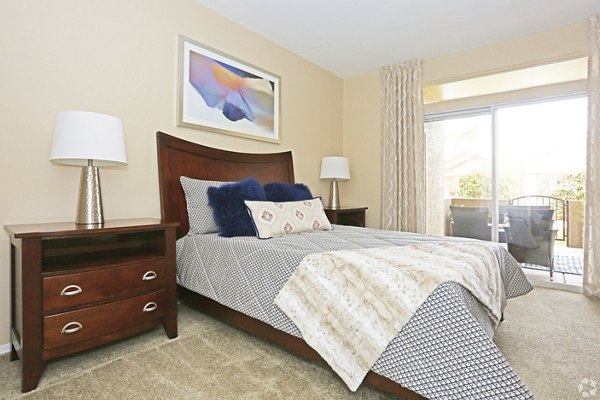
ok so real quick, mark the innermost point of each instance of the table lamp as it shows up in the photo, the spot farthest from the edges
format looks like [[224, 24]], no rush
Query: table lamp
[[89, 140], [336, 169]]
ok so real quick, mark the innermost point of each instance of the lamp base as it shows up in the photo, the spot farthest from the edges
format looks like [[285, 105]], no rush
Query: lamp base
[[334, 196], [89, 205]]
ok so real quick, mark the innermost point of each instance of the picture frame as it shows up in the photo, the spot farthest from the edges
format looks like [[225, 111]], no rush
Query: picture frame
[[219, 93]]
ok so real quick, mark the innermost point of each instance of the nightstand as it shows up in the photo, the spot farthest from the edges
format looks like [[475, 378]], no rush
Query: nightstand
[[346, 216], [74, 287]]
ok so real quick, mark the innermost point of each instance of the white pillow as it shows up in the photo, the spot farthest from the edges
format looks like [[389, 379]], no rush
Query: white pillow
[[279, 219]]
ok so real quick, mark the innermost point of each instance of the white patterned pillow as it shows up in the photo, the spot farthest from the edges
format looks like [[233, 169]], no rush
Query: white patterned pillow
[[200, 214], [279, 219]]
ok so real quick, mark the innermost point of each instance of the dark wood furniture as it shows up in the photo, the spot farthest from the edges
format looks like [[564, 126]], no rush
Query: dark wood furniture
[[346, 216], [74, 287], [176, 158]]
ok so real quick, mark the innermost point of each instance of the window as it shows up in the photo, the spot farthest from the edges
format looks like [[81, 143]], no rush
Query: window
[[506, 155]]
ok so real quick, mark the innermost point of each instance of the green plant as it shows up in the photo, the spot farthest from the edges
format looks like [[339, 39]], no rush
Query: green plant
[[571, 187], [474, 186]]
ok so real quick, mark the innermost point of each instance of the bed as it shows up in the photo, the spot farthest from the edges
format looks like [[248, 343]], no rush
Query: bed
[[417, 363]]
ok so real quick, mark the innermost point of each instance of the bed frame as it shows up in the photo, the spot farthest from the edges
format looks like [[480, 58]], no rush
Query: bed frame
[[177, 157]]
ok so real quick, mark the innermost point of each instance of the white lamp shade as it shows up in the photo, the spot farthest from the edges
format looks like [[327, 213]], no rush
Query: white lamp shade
[[80, 136], [335, 168]]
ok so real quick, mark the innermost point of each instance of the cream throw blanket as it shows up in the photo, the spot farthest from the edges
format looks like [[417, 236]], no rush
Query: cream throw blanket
[[350, 304]]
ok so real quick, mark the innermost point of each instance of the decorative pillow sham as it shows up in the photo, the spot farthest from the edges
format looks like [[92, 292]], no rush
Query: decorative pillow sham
[[279, 219], [200, 214], [280, 192], [230, 212]]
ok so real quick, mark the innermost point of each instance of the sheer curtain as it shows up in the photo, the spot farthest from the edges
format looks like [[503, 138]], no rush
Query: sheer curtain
[[403, 170], [591, 233]]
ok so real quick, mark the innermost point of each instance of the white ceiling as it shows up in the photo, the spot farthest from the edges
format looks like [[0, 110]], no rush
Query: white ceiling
[[353, 37]]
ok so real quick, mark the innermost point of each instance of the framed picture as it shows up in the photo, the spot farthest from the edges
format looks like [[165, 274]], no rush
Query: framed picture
[[219, 93]]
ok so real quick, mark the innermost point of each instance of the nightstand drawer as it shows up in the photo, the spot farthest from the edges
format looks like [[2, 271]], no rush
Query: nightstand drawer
[[68, 291], [70, 327]]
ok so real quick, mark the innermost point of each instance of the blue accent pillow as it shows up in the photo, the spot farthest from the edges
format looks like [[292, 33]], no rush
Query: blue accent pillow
[[282, 192], [229, 209]]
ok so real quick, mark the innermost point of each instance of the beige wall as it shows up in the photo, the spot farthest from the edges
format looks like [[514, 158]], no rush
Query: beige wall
[[362, 123], [120, 57], [362, 145], [553, 45]]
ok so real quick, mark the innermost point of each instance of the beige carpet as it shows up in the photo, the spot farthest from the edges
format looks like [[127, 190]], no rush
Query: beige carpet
[[552, 338]]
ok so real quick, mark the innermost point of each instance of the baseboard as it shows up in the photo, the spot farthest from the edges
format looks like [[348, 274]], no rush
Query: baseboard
[[555, 285], [4, 348]]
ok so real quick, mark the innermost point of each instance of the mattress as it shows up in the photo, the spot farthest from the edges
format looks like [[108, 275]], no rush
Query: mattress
[[444, 352]]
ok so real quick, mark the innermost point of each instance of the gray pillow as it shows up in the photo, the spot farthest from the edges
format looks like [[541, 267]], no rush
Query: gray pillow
[[200, 214]]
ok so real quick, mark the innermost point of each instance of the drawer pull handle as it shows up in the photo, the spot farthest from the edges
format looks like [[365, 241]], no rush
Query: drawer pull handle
[[71, 290], [148, 276], [72, 327], [151, 306]]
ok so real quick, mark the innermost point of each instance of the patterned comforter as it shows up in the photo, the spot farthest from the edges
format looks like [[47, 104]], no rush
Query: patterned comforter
[[350, 304], [445, 351]]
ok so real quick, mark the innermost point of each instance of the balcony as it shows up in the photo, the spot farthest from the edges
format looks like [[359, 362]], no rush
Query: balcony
[[564, 225]]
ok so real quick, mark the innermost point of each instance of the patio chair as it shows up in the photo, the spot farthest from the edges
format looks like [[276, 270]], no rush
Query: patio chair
[[501, 214], [471, 222], [530, 236]]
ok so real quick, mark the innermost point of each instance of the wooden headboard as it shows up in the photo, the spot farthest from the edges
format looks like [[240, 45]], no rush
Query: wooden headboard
[[178, 157]]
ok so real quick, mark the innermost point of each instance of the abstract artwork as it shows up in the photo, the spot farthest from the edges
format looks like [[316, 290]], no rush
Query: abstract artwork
[[225, 95]]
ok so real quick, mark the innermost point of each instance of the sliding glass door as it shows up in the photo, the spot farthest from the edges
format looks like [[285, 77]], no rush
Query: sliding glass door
[[541, 152], [492, 169], [460, 177]]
